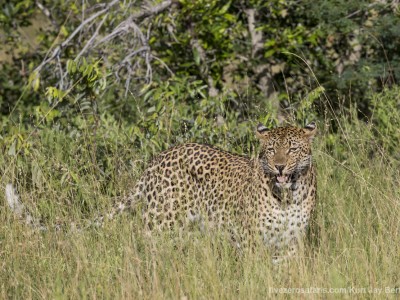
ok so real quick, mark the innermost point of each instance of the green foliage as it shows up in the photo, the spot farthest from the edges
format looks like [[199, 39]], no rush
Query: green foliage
[[386, 120], [214, 27], [181, 111], [349, 47], [15, 13]]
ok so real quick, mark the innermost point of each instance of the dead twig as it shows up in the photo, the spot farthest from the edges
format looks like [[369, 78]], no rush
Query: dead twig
[[138, 44], [58, 49]]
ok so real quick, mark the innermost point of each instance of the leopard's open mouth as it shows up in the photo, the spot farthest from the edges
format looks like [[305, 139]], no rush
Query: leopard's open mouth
[[281, 179]]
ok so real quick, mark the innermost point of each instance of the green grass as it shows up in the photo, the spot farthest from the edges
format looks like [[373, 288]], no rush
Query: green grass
[[355, 243]]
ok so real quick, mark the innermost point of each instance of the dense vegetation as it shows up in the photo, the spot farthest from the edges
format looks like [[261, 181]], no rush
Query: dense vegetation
[[89, 91]]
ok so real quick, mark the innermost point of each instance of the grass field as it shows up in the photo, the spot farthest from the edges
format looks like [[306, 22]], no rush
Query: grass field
[[353, 249]]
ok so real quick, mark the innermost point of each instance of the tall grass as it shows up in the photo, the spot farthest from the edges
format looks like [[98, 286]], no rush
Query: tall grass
[[353, 248]]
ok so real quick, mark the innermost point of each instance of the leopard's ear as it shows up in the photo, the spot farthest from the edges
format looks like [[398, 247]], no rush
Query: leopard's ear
[[310, 130], [261, 131]]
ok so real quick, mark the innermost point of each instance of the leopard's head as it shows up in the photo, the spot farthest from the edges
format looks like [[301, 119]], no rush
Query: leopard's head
[[285, 152]]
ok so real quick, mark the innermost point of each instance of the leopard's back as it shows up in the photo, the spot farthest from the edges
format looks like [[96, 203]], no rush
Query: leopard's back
[[191, 182]]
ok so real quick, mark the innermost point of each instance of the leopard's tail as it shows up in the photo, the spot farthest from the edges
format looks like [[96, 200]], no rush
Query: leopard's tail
[[124, 205], [18, 208]]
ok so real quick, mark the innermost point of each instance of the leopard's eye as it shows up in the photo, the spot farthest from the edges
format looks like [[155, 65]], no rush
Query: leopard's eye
[[293, 149], [270, 149]]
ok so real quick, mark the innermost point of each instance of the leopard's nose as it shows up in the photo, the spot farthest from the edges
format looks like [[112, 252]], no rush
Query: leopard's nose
[[280, 168]]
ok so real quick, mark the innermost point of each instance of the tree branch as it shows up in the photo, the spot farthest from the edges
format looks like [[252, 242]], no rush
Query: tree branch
[[88, 44], [256, 36], [57, 50], [194, 42]]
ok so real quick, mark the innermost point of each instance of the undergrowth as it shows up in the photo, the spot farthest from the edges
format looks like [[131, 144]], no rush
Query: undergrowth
[[353, 247]]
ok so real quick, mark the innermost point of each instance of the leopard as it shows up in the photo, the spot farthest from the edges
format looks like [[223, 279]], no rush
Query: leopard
[[269, 197]]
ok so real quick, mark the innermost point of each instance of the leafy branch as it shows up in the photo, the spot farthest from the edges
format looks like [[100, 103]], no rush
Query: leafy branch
[[101, 40]]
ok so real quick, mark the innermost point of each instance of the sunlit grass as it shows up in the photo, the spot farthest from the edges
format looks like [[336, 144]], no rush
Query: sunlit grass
[[354, 246]]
